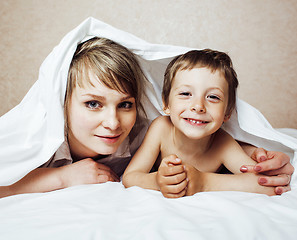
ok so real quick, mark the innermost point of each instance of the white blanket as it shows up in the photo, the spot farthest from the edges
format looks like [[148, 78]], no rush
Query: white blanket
[[109, 211], [32, 131]]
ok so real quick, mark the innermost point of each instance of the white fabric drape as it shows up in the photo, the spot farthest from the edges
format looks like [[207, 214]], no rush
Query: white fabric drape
[[32, 131]]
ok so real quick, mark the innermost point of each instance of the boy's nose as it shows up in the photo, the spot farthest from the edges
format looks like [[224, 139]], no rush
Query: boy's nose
[[198, 106]]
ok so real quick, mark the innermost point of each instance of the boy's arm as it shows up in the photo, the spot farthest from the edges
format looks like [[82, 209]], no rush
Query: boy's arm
[[138, 171], [232, 156], [231, 153], [205, 182], [170, 178], [86, 171]]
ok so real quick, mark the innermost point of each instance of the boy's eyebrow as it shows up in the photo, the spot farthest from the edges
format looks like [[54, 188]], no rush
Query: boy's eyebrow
[[189, 86], [181, 86], [217, 89]]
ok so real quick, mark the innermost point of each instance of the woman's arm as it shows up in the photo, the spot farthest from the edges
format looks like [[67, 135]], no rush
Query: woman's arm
[[86, 171], [38, 180]]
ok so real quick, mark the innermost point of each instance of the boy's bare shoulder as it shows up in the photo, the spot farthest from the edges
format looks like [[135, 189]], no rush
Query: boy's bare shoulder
[[159, 128], [222, 134], [223, 139], [161, 122]]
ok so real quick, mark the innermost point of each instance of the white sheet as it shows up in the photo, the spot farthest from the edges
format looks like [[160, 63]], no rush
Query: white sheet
[[31, 133], [109, 211]]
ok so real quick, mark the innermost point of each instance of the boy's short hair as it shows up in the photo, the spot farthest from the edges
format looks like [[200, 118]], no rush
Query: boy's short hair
[[113, 64], [213, 60]]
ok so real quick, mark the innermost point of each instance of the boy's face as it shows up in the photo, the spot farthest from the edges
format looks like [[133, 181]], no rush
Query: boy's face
[[100, 119], [197, 102]]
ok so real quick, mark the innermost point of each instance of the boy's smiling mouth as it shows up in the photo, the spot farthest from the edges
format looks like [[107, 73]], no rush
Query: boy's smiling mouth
[[196, 121]]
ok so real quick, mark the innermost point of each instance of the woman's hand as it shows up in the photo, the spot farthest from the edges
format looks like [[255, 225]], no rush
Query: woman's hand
[[172, 178], [277, 167], [86, 171]]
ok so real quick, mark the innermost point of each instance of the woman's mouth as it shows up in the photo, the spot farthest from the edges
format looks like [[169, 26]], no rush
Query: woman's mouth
[[109, 139]]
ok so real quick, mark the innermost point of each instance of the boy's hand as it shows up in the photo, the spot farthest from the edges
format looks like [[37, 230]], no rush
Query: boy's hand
[[277, 167], [172, 178], [195, 180], [86, 171]]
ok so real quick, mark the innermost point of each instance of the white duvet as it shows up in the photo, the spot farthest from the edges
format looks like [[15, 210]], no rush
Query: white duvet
[[32, 131]]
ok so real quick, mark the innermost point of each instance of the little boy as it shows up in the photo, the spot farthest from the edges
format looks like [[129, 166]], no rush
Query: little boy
[[187, 145]]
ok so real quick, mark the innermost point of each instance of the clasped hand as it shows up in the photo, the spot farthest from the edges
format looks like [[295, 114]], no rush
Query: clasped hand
[[177, 180]]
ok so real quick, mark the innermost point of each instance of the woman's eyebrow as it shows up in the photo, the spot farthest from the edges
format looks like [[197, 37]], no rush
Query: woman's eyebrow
[[127, 98], [99, 97], [93, 96]]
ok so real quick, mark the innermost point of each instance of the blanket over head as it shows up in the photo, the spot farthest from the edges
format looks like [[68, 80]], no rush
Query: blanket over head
[[32, 131]]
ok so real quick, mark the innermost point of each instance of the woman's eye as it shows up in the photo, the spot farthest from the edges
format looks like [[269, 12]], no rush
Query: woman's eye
[[93, 104], [126, 105]]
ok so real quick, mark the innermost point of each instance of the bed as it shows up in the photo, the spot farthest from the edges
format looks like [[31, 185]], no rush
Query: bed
[[109, 211]]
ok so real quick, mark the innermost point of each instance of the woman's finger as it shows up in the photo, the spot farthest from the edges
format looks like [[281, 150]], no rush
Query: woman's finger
[[259, 155], [110, 175], [275, 181], [281, 190], [247, 168]]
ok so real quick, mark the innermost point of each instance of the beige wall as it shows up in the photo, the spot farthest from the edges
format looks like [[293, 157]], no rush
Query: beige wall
[[260, 36]]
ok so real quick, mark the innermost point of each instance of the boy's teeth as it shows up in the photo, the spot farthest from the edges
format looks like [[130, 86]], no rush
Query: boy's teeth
[[195, 121]]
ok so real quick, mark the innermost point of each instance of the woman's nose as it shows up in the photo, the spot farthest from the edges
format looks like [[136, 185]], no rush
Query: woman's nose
[[111, 119]]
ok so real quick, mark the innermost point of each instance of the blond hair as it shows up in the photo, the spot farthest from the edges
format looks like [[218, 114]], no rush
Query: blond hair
[[114, 65]]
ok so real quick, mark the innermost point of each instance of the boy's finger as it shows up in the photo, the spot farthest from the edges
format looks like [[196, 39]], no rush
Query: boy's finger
[[171, 159], [173, 170], [176, 179], [177, 188], [175, 195]]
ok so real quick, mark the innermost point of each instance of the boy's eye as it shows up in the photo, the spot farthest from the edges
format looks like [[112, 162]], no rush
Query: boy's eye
[[126, 105], [214, 97], [185, 94], [93, 104]]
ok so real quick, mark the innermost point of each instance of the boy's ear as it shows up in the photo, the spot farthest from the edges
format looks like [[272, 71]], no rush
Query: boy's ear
[[166, 110], [227, 117]]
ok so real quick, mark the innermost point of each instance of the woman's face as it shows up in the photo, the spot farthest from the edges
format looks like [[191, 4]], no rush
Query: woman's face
[[99, 119]]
